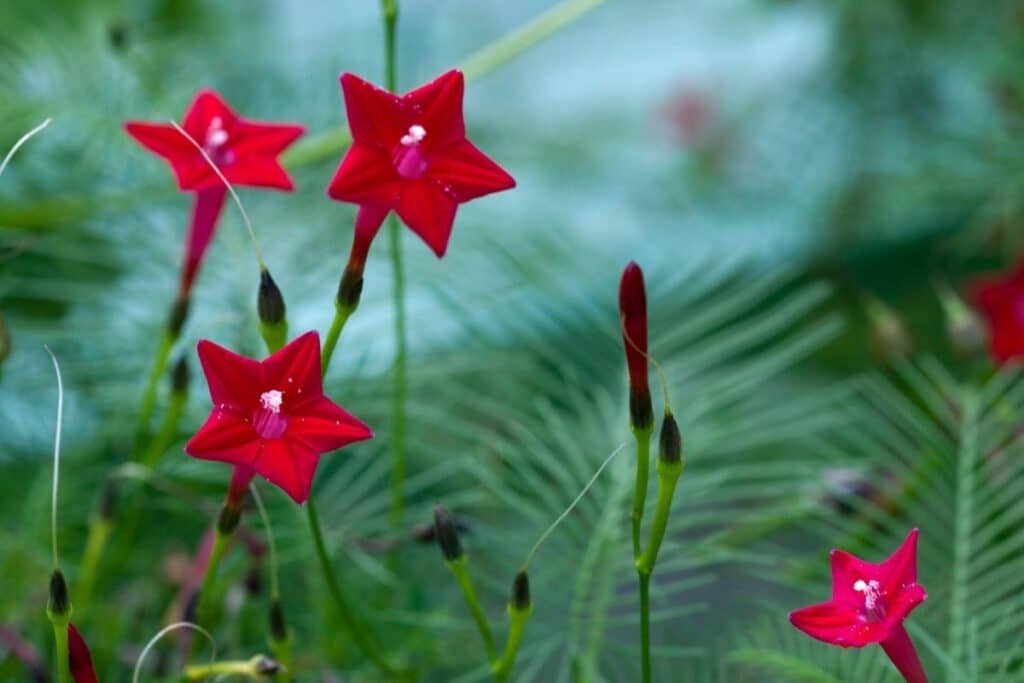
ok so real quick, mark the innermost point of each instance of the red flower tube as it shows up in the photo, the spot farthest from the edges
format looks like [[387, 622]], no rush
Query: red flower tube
[[869, 603], [272, 417], [410, 155], [633, 320], [245, 152], [79, 659], [1001, 300]]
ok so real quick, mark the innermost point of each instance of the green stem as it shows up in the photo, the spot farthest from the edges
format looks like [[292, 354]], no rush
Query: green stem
[[205, 606], [60, 636], [460, 569], [645, 626], [168, 430], [100, 530], [163, 354], [359, 635], [399, 382], [517, 625], [341, 316], [643, 464]]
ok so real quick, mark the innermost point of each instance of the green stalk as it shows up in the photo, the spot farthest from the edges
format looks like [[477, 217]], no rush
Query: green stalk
[[359, 635], [503, 667], [390, 11], [100, 530], [643, 464], [205, 606], [341, 316], [668, 476], [460, 570], [60, 635], [168, 430], [163, 354]]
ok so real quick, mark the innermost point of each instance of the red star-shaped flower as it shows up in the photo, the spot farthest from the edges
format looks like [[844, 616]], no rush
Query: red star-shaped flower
[[869, 603], [1001, 300], [244, 151], [272, 416], [410, 154]]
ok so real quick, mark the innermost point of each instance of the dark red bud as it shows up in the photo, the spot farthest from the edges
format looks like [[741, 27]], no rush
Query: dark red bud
[[79, 659], [633, 319], [447, 536]]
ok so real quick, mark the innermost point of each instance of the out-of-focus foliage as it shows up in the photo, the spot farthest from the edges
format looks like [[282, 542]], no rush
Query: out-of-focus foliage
[[772, 165]]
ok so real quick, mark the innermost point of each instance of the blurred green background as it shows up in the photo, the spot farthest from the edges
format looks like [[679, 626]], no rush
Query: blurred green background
[[781, 170]]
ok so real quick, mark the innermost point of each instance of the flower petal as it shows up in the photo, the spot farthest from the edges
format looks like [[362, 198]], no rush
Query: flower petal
[[225, 437], [468, 172], [900, 568], [847, 570], [258, 172], [437, 106], [295, 372], [324, 426], [429, 212], [288, 466], [256, 138], [374, 114], [234, 380], [206, 106], [366, 176], [161, 139], [903, 602], [838, 624]]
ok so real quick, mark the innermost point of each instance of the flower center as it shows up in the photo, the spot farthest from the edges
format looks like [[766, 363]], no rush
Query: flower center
[[215, 140], [409, 159], [268, 421], [874, 610]]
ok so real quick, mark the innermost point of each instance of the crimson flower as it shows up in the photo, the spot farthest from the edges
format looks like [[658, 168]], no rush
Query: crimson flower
[[272, 416], [244, 151], [633, 320], [1001, 300], [410, 155], [869, 603], [79, 659]]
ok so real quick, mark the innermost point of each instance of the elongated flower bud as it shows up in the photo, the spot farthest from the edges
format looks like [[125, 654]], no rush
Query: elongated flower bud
[[447, 535], [79, 658], [521, 600], [670, 444], [633, 318], [269, 302], [59, 604], [277, 623], [179, 312], [180, 376]]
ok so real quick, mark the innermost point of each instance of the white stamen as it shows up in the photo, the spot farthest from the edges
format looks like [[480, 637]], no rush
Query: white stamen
[[870, 591], [271, 400], [415, 135], [215, 134]]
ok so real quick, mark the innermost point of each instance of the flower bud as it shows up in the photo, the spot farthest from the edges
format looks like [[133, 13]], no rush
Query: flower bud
[[264, 666], [521, 592], [269, 302], [447, 535], [670, 444], [633, 319], [180, 376], [277, 623], [228, 520], [59, 604], [79, 658], [966, 329], [889, 337], [179, 312], [350, 288]]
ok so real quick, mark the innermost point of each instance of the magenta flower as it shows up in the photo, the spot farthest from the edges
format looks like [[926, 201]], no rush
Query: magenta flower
[[272, 416], [79, 658], [1001, 300], [410, 155], [869, 603], [244, 151]]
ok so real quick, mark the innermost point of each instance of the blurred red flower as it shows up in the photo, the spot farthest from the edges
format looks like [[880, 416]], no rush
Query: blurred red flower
[[244, 151], [869, 603], [272, 416], [79, 659], [1001, 300], [410, 154]]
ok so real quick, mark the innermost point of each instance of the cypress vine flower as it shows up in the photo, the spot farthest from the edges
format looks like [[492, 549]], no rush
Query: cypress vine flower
[[410, 155], [1001, 300], [869, 603], [272, 416], [245, 152], [633, 319]]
